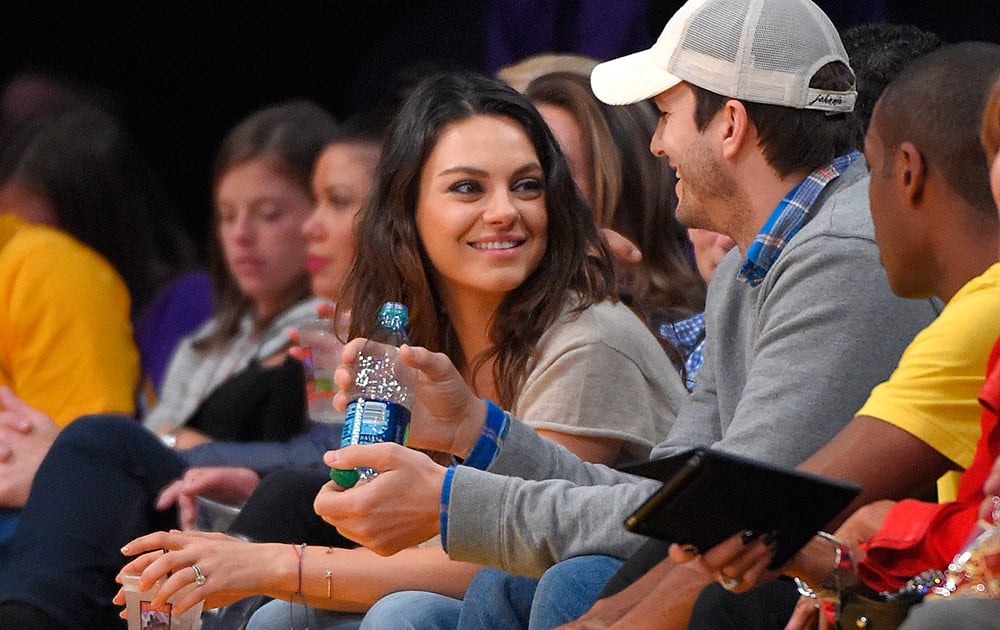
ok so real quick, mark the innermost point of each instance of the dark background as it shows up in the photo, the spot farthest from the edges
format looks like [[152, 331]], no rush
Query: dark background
[[179, 74]]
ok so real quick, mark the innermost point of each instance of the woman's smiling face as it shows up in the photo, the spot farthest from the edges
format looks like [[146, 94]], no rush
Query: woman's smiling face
[[481, 212]]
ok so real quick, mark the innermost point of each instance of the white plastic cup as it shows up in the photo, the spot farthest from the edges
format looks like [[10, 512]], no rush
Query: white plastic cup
[[324, 350], [142, 616]]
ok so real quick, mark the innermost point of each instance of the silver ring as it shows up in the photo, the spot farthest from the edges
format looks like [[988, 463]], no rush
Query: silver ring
[[199, 577], [729, 582]]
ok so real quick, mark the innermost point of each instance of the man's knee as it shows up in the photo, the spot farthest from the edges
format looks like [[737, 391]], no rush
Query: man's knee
[[413, 609]]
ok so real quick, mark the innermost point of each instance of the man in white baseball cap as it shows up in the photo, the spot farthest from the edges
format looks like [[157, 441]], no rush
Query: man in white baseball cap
[[754, 96], [763, 51]]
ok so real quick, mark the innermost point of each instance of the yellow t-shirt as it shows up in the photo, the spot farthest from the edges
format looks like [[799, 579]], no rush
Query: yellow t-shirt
[[66, 344], [933, 394]]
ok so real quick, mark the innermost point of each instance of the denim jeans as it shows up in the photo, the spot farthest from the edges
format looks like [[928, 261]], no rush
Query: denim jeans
[[281, 615], [409, 610], [94, 491], [496, 599]]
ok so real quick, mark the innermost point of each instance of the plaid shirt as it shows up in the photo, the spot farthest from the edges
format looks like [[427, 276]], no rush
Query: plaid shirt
[[688, 336], [789, 215]]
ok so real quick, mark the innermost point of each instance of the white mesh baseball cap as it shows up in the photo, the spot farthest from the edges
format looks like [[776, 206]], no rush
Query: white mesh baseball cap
[[760, 51]]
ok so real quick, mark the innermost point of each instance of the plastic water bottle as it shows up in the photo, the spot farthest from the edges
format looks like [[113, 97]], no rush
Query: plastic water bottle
[[379, 409]]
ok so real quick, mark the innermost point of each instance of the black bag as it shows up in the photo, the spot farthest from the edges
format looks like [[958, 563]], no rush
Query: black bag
[[859, 611]]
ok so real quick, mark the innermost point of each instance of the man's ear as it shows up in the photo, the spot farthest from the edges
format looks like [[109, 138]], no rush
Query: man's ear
[[911, 171], [736, 127]]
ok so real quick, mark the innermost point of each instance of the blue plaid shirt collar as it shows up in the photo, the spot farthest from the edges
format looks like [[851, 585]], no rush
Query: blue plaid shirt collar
[[688, 336], [789, 215]]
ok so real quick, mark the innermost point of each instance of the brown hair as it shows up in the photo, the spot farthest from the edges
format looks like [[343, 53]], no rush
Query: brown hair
[[290, 137], [793, 140]]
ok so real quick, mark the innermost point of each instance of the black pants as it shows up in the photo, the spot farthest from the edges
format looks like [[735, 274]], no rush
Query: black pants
[[644, 559], [766, 607], [281, 510], [95, 490]]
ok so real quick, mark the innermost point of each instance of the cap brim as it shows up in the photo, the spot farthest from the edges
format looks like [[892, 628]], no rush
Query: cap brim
[[630, 79]]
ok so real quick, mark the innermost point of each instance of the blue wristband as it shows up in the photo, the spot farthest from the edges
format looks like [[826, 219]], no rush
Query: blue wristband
[[487, 447], [445, 499]]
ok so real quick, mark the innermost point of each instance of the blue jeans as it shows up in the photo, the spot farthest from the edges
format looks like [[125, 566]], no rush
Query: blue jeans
[[281, 615], [496, 599], [410, 610]]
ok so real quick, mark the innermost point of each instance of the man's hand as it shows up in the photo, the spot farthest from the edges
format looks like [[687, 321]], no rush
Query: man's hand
[[660, 599], [25, 437], [397, 509], [446, 416], [620, 247], [863, 524], [228, 485]]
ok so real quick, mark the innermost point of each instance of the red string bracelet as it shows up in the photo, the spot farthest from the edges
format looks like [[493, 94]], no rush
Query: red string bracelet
[[299, 552]]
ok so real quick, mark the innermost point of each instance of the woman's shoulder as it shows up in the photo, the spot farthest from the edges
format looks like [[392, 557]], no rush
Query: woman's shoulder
[[611, 323]]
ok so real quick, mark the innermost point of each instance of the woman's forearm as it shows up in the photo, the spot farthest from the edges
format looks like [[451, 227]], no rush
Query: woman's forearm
[[358, 577]]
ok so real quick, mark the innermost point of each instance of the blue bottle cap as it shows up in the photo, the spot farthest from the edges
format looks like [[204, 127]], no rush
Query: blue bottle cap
[[393, 315]]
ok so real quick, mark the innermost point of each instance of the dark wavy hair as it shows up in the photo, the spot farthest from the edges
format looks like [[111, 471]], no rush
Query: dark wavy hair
[[391, 263]]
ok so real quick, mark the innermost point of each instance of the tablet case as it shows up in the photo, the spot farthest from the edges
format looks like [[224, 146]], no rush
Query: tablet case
[[710, 495]]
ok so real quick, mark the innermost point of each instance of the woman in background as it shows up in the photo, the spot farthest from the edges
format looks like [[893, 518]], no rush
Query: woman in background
[[230, 380], [97, 487], [72, 166]]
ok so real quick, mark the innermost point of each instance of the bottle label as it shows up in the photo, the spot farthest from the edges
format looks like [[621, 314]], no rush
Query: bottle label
[[370, 421]]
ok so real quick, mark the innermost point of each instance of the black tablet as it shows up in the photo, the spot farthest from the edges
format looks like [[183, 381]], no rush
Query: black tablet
[[709, 495]]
